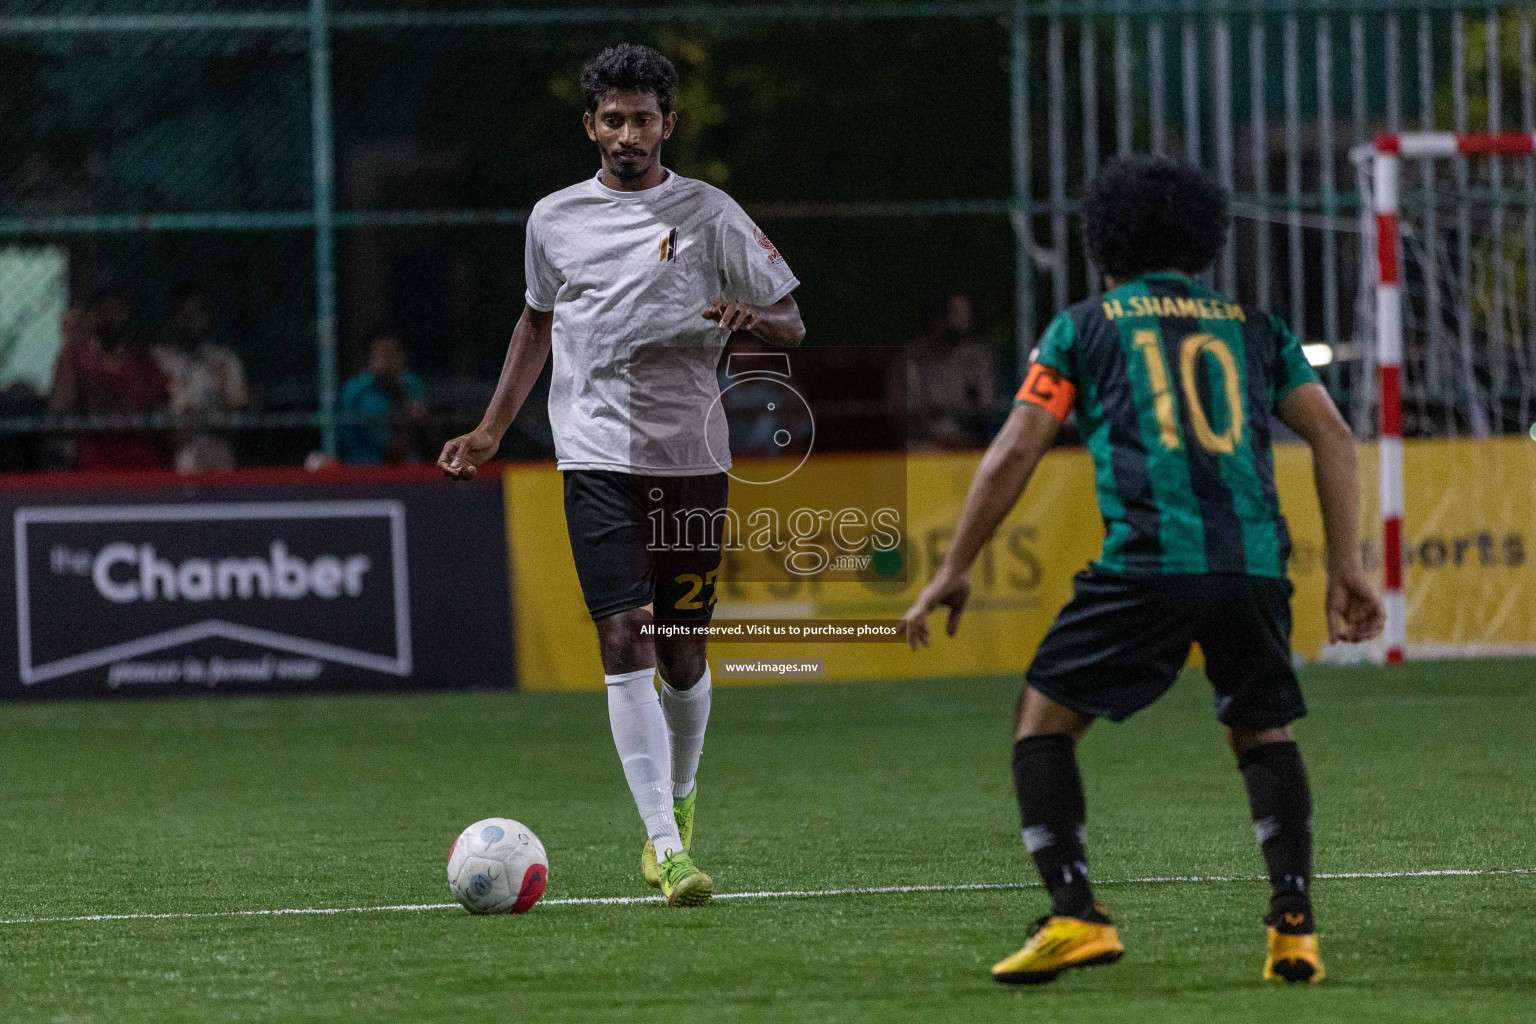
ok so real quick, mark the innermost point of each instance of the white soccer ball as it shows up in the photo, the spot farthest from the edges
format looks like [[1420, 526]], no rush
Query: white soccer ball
[[497, 866]]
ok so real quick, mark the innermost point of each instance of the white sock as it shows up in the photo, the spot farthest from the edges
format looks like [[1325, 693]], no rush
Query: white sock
[[687, 714], [640, 734]]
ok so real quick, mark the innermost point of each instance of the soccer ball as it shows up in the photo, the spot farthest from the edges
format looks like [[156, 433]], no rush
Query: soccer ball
[[497, 866]]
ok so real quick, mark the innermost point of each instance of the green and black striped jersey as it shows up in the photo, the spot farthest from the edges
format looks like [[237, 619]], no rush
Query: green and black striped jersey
[[1173, 387]]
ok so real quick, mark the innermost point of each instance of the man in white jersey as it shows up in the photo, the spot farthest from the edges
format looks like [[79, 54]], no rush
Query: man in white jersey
[[636, 279]]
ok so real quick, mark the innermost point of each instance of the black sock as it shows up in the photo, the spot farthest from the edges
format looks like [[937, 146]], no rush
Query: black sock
[[1053, 813], [1281, 802]]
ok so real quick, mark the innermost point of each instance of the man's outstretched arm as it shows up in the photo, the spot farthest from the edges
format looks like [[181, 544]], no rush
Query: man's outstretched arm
[[1353, 609], [525, 359], [1005, 469]]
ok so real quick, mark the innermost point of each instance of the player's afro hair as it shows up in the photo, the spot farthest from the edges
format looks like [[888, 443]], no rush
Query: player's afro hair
[[1147, 213], [629, 68]]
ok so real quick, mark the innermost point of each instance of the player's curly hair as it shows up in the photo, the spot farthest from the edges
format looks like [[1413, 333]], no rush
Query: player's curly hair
[[1147, 213], [629, 67]]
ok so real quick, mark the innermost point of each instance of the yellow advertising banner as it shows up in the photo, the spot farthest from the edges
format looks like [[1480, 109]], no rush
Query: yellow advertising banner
[[1469, 522]]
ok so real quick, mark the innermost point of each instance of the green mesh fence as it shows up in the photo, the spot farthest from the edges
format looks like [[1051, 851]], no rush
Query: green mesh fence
[[318, 169]]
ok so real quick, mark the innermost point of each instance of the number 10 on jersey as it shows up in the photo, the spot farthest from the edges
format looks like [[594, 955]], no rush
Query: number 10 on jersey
[[1190, 351]]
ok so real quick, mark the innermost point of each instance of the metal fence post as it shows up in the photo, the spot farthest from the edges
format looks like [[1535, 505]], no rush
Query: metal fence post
[[1326, 185], [1088, 77], [1056, 145], [1023, 207], [1222, 58], [1157, 81], [323, 147], [1189, 58], [1528, 123], [1290, 47], [1258, 141]]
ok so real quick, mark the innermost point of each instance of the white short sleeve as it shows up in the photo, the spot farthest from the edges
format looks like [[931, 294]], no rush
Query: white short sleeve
[[543, 279], [751, 267]]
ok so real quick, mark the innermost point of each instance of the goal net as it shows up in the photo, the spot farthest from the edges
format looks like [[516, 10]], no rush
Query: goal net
[[1448, 303]]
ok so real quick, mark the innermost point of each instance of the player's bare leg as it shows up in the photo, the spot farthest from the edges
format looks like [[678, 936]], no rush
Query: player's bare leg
[[1035, 714], [620, 644], [682, 662], [1281, 801]]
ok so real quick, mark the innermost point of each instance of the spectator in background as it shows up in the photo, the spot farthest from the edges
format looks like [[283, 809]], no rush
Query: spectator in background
[[21, 453], [102, 370], [392, 400], [205, 380], [951, 390]]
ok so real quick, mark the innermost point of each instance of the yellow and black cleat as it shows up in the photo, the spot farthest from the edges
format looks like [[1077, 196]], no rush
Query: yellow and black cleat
[[1060, 944], [1293, 958]]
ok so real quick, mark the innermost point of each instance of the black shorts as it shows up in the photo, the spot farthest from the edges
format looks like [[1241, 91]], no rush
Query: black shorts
[[1120, 642], [641, 540]]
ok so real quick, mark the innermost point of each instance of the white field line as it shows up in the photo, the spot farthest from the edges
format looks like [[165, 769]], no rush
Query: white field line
[[768, 894]]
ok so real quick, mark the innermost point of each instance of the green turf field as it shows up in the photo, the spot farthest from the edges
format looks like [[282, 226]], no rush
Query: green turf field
[[205, 806]]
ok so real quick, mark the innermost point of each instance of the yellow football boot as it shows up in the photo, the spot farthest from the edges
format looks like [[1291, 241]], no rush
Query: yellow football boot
[[1293, 958], [1059, 944], [683, 884], [682, 810]]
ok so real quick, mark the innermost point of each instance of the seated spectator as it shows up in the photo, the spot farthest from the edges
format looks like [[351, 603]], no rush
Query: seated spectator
[[205, 380], [951, 390], [21, 452], [392, 401], [101, 370]]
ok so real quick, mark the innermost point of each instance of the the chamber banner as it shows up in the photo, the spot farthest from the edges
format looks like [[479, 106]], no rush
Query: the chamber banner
[[238, 586]]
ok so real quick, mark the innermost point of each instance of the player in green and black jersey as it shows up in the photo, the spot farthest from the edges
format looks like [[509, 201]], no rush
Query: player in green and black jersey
[[1173, 387]]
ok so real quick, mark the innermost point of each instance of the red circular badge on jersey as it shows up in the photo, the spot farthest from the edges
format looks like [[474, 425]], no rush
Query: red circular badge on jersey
[[767, 244]]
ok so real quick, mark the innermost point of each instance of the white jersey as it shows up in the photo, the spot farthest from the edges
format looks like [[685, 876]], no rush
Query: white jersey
[[628, 276]]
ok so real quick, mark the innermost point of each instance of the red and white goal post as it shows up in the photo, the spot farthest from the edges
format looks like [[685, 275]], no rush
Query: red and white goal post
[[1389, 153]]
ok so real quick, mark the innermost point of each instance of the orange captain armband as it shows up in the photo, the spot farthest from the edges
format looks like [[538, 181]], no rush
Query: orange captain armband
[[1046, 387]]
